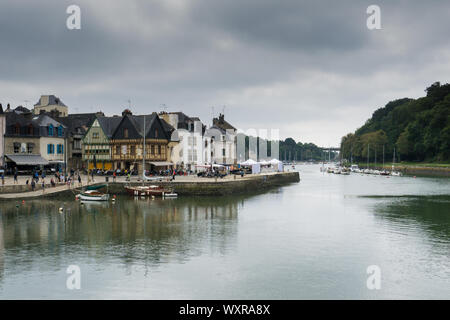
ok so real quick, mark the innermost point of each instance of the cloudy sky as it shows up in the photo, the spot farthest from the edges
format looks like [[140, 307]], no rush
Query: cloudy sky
[[309, 68]]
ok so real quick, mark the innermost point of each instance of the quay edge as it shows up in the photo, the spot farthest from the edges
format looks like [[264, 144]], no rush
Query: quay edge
[[250, 184]]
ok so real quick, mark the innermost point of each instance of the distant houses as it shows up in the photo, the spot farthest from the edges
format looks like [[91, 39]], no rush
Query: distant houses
[[49, 137]]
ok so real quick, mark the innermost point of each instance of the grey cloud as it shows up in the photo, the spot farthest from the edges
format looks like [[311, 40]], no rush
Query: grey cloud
[[311, 61]]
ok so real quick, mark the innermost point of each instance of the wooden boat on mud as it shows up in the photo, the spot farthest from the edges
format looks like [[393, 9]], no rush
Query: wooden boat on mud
[[148, 191]]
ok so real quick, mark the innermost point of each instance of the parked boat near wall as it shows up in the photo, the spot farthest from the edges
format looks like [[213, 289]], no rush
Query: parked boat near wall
[[148, 191]]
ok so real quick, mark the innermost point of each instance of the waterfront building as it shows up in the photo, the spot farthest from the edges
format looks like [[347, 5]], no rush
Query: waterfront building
[[128, 139], [77, 125], [32, 141], [187, 140], [47, 103], [96, 143], [220, 143]]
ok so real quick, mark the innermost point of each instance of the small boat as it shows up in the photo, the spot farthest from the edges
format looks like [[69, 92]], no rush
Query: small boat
[[93, 195], [170, 195], [146, 191]]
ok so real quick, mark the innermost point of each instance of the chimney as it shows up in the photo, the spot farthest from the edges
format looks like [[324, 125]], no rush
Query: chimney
[[8, 108]]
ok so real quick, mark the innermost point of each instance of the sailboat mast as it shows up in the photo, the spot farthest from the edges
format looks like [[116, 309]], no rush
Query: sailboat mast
[[143, 157], [368, 153]]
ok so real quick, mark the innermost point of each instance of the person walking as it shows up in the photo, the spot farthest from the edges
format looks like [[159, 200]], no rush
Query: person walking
[[33, 185], [114, 176], [43, 185], [15, 176], [79, 180]]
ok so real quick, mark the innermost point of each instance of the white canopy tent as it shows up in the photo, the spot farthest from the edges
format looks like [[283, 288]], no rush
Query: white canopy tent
[[248, 162]]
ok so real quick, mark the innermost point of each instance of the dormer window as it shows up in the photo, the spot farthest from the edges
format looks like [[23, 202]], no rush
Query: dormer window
[[50, 130], [125, 132], [30, 129], [60, 131], [17, 128], [156, 133]]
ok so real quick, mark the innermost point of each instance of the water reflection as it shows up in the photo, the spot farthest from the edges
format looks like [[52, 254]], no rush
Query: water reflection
[[141, 231], [429, 213]]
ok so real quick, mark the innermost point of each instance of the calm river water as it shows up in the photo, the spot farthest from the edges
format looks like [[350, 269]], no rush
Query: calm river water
[[311, 240]]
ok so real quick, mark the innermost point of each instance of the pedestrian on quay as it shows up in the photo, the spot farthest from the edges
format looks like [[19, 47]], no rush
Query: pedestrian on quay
[[79, 180], [33, 185], [114, 176], [15, 177], [43, 185]]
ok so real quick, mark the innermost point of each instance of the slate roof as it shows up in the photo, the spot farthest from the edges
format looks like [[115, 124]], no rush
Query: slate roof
[[109, 124], [52, 100], [222, 124], [78, 123]]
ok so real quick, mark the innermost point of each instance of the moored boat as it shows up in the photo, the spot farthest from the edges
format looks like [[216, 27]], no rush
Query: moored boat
[[146, 191], [93, 195]]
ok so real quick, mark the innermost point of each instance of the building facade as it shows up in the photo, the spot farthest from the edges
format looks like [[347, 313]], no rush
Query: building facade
[[127, 143], [77, 126], [48, 103], [220, 142], [96, 143], [187, 140], [34, 141]]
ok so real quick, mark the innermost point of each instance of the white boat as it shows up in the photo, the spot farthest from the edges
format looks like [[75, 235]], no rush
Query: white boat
[[170, 195], [93, 195]]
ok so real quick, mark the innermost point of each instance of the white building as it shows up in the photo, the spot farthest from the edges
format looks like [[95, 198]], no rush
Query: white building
[[220, 143], [187, 153]]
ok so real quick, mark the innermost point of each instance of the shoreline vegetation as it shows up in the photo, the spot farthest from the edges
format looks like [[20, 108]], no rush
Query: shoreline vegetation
[[415, 132]]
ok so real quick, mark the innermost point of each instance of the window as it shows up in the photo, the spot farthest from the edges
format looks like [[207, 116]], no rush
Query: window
[[117, 149], [16, 147], [50, 130], [152, 149], [50, 149], [159, 149], [125, 133], [95, 135], [156, 133], [30, 147], [59, 149], [132, 150], [23, 147], [77, 144], [60, 131], [223, 152]]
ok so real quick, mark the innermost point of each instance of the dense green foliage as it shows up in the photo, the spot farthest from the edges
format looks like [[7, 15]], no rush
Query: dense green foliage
[[418, 129]]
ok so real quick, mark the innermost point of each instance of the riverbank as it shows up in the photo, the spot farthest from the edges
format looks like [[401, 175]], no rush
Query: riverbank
[[419, 169], [183, 185]]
